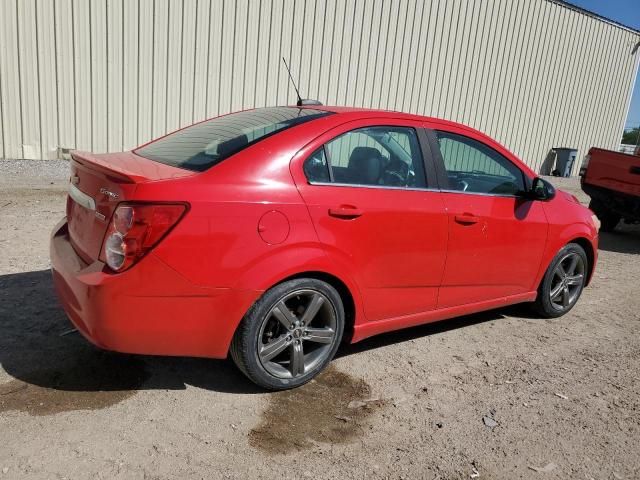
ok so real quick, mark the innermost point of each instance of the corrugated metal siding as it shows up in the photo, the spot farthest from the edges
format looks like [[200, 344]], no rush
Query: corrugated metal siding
[[107, 75]]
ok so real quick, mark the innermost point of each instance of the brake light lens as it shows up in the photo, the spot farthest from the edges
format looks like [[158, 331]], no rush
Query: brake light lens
[[123, 219], [136, 229]]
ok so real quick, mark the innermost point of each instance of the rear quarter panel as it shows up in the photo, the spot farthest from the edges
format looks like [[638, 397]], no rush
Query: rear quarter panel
[[220, 242]]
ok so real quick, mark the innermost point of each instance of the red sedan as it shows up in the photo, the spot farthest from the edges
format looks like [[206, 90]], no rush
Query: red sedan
[[273, 234]]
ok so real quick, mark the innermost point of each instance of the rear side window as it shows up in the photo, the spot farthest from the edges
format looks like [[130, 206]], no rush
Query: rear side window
[[316, 168], [205, 144], [474, 167], [376, 156]]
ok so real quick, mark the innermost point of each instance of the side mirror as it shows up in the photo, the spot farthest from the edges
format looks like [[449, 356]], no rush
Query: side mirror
[[541, 190]]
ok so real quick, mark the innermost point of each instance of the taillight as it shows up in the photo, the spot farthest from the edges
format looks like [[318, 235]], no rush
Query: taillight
[[136, 229]]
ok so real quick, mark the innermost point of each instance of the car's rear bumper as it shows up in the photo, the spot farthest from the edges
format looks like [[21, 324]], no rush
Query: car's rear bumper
[[149, 309]]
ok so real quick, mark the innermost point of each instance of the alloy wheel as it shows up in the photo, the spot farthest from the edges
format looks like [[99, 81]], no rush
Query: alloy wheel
[[297, 334], [567, 281]]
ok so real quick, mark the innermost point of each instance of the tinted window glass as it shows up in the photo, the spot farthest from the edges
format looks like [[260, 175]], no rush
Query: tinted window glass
[[474, 167], [316, 168], [205, 144], [384, 156]]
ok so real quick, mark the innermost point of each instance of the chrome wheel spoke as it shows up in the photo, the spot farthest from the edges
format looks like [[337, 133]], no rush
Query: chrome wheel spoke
[[284, 315], [271, 349], [287, 346], [297, 359], [575, 279], [319, 335], [556, 291], [567, 282], [312, 310]]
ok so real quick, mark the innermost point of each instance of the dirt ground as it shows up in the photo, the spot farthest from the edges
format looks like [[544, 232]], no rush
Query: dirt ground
[[561, 397]]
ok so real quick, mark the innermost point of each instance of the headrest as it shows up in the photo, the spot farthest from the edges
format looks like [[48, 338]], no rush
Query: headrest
[[231, 146], [365, 165]]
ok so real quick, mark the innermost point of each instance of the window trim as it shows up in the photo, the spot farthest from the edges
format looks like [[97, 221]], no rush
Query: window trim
[[361, 185], [442, 176], [429, 170], [327, 156], [483, 194]]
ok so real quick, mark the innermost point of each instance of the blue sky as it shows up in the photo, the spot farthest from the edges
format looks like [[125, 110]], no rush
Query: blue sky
[[626, 12]]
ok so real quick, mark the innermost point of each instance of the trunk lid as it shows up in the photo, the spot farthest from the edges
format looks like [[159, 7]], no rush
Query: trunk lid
[[98, 183]]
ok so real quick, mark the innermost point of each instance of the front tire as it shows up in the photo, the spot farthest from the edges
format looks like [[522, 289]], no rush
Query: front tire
[[290, 334], [563, 282]]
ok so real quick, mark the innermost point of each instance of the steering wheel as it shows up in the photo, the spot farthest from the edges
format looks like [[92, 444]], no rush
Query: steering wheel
[[394, 178], [463, 184]]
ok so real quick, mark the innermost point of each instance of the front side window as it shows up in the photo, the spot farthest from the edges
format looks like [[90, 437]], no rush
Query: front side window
[[205, 144], [474, 167], [376, 156]]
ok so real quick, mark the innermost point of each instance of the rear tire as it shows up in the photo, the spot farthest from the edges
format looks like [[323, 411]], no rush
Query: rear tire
[[290, 334], [608, 220], [563, 282]]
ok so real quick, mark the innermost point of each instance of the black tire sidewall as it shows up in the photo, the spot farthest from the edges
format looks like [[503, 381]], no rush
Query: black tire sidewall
[[608, 220], [543, 303], [245, 343]]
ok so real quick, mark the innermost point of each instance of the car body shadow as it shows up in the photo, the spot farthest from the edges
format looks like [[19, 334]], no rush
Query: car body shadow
[[434, 328], [38, 347], [55, 369], [625, 239]]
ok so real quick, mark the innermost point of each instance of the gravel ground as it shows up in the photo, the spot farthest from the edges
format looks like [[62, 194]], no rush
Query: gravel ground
[[500, 394], [34, 173]]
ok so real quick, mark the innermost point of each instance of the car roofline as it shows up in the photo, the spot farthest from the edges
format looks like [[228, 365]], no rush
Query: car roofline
[[361, 112], [353, 113]]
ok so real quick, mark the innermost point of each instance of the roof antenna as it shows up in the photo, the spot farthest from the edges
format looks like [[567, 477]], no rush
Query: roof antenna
[[300, 101]]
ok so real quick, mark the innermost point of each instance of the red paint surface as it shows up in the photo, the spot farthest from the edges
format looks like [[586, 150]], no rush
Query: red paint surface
[[408, 256], [614, 171]]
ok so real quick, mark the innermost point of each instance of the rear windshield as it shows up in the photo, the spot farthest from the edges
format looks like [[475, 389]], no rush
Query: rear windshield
[[205, 144]]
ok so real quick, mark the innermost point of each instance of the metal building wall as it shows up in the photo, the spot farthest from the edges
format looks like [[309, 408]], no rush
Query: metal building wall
[[107, 75]]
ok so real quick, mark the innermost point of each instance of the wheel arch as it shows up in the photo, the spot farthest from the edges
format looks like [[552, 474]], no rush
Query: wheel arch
[[587, 246]]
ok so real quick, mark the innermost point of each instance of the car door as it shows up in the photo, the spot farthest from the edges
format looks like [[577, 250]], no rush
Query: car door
[[496, 236], [375, 211]]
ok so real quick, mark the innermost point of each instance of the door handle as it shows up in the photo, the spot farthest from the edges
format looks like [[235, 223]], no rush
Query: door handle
[[467, 219], [345, 212]]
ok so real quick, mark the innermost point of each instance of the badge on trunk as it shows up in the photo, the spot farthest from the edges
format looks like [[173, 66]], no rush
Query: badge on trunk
[[111, 195]]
